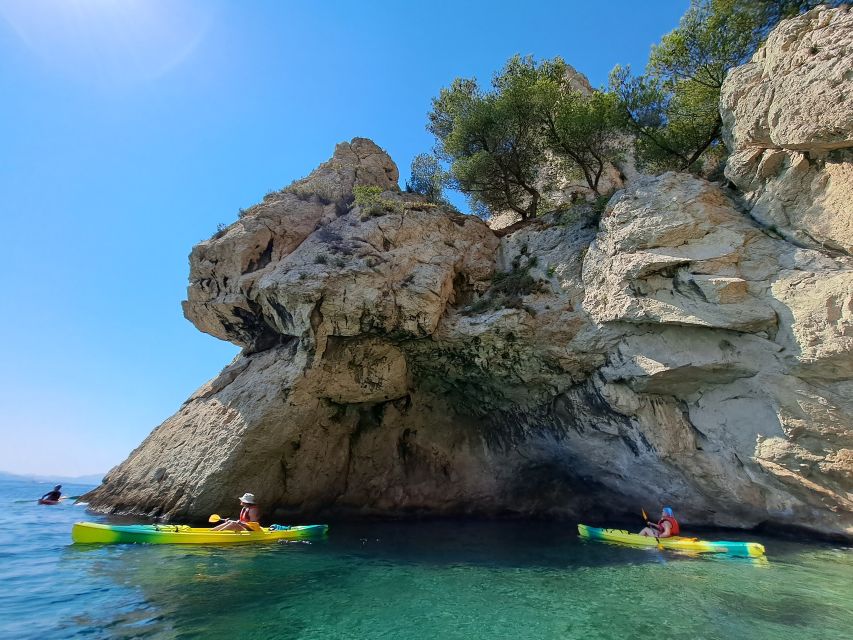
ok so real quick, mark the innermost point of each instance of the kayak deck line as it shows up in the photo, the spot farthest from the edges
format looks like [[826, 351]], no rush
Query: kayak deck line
[[753, 549], [96, 533]]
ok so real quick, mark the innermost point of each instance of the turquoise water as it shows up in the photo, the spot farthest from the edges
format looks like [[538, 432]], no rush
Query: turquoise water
[[433, 580]]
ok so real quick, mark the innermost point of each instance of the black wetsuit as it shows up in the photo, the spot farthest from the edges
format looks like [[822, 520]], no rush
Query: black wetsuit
[[52, 495]]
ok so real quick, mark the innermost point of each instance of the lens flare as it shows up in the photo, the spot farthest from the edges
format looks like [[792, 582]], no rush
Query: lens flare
[[109, 42]]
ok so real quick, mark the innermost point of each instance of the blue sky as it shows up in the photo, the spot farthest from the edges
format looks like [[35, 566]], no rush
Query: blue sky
[[131, 128]]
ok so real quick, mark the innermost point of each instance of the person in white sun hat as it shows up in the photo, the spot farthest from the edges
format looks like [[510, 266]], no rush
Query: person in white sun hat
[[250, 516]]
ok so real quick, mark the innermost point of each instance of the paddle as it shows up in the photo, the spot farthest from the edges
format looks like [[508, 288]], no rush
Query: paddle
[[652, 525], [250, 526], [646, 519], [37, 499]]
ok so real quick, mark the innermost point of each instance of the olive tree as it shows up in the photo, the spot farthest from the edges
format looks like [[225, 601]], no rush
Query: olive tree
[[427, 178], [497, 142], [492, 144]]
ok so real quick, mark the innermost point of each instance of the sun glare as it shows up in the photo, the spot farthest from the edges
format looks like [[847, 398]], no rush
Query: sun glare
[[108, 41]]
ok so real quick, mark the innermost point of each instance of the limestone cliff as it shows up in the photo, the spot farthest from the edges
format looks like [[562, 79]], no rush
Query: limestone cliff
[[402, 358], [788, 117]]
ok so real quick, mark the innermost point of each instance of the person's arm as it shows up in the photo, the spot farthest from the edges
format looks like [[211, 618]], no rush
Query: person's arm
[[667, 529]]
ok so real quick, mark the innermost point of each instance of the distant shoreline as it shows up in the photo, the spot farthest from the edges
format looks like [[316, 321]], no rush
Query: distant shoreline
[[93, 478]]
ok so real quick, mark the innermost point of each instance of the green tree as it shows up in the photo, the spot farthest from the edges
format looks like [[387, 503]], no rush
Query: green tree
[[493, 145], [428, 178], [585, 131], [496, 142], [673, 126], [581, 128]]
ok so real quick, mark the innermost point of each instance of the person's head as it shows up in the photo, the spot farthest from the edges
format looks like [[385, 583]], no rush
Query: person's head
[[58, 487], [247, 499], [666, 511]]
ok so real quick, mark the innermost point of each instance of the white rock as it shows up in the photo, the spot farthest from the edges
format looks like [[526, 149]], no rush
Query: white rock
[[788, 121]]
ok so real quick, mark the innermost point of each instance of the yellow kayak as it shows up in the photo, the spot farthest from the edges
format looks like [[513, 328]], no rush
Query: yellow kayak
[[676, 542], [91, 532]]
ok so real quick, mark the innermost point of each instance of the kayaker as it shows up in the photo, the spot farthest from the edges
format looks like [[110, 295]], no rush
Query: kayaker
[[667, 525], [249, 519], [54, 495]]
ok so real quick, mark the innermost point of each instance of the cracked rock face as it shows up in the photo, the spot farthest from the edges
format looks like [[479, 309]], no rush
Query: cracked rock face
[[404, 360], [788, 121]]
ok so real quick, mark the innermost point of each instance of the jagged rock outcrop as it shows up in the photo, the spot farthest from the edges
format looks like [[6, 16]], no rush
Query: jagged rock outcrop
[[788, 121], [402, 359]]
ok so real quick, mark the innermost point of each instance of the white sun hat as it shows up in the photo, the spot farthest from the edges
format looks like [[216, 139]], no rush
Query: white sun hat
[[248, 498]]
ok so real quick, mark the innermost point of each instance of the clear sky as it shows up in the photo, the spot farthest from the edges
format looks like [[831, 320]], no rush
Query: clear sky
[[130, 128]]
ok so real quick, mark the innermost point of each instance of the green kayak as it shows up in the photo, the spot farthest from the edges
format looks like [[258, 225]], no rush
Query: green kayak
[[676, 542], [92, 532]]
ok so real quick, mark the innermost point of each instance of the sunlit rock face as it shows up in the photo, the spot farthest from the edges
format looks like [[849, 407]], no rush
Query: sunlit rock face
[[788, 120], [404, 360]]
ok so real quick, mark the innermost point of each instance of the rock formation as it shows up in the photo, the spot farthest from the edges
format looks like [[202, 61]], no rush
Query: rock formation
[[402, 359], [788, 119]]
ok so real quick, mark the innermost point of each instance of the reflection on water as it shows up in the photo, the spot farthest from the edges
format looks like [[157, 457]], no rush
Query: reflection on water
[[432, 580]]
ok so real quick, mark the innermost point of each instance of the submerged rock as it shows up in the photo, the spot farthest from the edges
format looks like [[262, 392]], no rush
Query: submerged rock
[[402, 359]]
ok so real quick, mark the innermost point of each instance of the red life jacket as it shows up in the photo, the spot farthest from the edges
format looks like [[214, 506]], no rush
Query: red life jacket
[[673, 523], [244, 515]]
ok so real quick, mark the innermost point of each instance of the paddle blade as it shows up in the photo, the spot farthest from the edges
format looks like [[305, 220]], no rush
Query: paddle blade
[[214, 518], [645, 517]]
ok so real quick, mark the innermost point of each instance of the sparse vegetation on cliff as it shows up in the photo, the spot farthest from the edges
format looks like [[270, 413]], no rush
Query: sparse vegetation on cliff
[[369, 199], [508, 289], [221, 230], [590, 212]]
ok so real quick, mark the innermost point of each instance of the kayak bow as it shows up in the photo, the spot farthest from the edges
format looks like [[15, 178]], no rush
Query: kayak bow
[[676, 542], [94, 533]]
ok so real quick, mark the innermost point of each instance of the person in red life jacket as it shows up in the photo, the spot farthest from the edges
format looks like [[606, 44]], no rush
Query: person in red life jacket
[[667, 526], [250, 516]]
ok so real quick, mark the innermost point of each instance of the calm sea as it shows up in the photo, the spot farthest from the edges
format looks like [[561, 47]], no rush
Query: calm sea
[[432, 580]]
